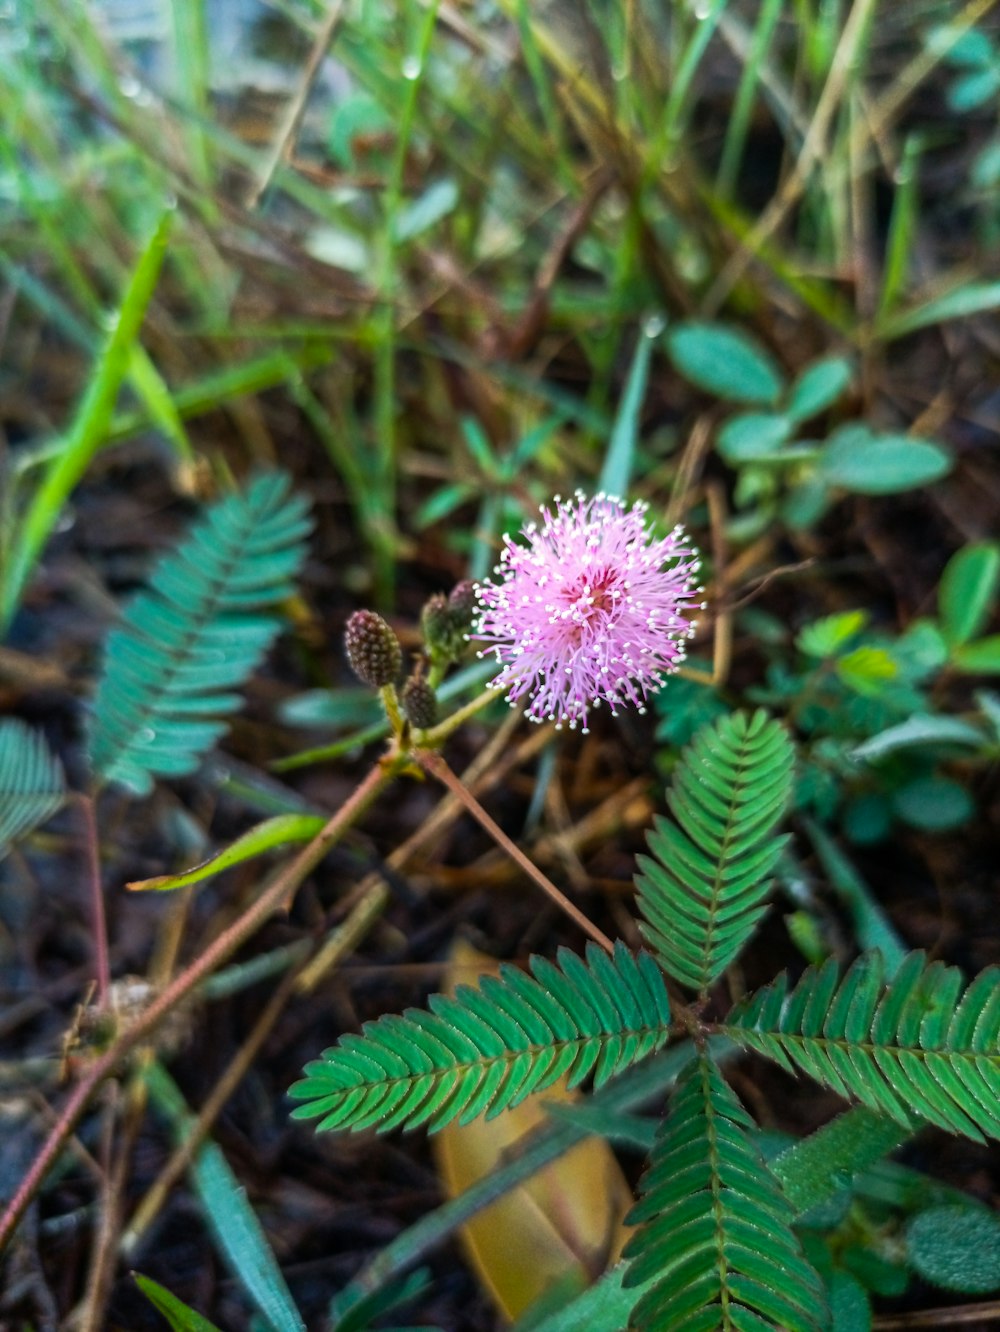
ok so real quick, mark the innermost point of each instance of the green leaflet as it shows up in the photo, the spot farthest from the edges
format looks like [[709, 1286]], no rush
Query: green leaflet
[[491, 1046], [180, 1316], [916, 1047], [266, 836], [714, 1228], [32, 786], [195, 635], [704, 889]]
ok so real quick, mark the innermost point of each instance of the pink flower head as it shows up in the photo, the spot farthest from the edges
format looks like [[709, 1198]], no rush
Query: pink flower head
[[594, 606]]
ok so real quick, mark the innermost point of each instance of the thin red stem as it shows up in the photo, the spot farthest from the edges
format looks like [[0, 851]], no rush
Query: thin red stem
[[436, 765], [219, 951]]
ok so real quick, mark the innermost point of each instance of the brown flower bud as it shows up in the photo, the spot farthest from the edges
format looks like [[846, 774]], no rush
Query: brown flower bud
[[372, 649], [419, 702]]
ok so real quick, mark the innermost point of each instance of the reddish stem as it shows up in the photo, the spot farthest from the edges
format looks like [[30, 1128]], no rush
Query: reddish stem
[[219, 951], [436, 765]]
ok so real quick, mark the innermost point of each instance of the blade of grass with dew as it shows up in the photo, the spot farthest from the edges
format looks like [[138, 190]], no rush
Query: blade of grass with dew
[[899, 244], [234, 1226], [90, 425], [191, 62], [680, 103], [616, 473], [385, 406]]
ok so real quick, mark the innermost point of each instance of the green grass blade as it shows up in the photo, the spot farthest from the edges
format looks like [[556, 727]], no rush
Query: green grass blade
[[616, 473], [180, 1316], [237, 1233], [90, 426]]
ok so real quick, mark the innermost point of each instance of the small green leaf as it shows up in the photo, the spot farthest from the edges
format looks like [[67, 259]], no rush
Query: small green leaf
[[918, 730], [32, 786], [436, 202], [979, 658], [806, 502], [867, 819], [967, 47], [920, 651], [824, 638], [752, 436], [818, 387], [180, 1316], [266, 836], [933, 804], [973, 89], [869, 464], [968, 590], [726, 361], [957, 1248], [849, 1306]]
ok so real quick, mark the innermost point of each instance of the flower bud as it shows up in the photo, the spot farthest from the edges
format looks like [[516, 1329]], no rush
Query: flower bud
[[463, 604], [372, 649], [435, 622], [419, 702]]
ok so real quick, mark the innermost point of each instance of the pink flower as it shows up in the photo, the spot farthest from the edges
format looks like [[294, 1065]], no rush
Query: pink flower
[[594, 606]]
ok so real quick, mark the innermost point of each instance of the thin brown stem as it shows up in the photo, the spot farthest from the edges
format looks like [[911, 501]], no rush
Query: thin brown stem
[[437, 767], [220, 950]]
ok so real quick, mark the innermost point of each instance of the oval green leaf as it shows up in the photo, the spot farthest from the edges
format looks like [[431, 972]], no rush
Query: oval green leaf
[[869, 464], [979, 658], [753, 435], [956, 1248], [968, 590], [727, 362], [933, 804], [818, 386]]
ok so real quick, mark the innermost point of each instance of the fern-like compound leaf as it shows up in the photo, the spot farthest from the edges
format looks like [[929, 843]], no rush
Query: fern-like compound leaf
[[492, 1045], [191, 640], [916, 1049], [32, 786], [714, 1230], [703, 890]]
